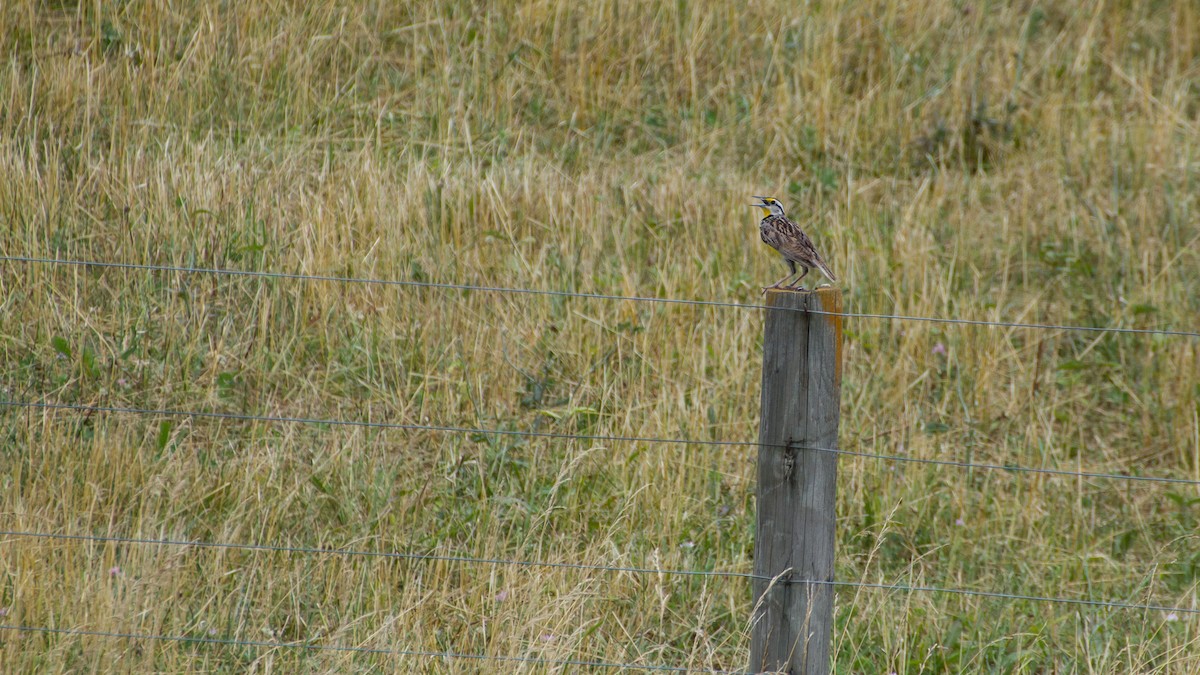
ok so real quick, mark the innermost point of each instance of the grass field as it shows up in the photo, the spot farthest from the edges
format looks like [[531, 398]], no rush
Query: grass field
[[1015, 161]]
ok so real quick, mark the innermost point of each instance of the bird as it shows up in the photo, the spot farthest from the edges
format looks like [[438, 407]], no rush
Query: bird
[[781, 234]]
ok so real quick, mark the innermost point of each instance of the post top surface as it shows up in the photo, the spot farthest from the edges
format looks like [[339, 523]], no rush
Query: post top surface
[[826, 298]]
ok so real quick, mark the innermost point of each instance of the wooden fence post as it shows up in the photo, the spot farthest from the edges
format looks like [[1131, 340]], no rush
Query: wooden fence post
[[792, 621]]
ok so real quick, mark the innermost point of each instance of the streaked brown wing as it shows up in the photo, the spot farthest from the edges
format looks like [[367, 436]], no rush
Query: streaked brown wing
[[787, 238], [784, 236]]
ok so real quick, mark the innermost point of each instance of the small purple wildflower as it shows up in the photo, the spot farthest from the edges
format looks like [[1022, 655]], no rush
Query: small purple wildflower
[[115, 570], [960, 522], [939, 348], [501, 596]]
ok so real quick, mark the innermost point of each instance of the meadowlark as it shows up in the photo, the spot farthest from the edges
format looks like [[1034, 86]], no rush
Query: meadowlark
[[786, 237]]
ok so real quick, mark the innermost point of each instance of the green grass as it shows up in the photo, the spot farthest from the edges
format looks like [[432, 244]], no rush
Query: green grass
[[1011, 161]]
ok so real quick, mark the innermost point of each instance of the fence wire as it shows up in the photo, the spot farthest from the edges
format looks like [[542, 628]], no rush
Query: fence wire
[[260, 644], [573, 294], [395, 555], [276, 419], [1107, 604]]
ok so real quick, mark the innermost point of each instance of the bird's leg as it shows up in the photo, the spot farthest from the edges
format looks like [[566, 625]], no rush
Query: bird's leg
[[792, 265], [796, 284], [777, 284]]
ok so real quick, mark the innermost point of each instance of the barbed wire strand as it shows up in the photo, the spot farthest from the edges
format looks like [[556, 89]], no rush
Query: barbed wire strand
[[575, 294], [1110, 604], [243, 417], [423, 557], [360, 650]]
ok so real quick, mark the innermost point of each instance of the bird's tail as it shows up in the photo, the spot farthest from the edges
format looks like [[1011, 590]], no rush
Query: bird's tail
[[825, 270]]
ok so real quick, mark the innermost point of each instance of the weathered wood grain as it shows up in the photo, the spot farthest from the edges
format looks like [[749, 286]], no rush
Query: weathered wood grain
[[801, 389]]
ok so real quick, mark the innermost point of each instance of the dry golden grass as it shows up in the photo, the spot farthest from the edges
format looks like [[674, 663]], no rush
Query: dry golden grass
[[1016, 161]]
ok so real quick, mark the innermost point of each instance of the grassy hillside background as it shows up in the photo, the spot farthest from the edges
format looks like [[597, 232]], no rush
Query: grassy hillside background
[[1019, 161]]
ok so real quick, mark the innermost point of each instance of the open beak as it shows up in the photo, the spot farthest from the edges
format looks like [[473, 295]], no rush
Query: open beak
[[761, 203]]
